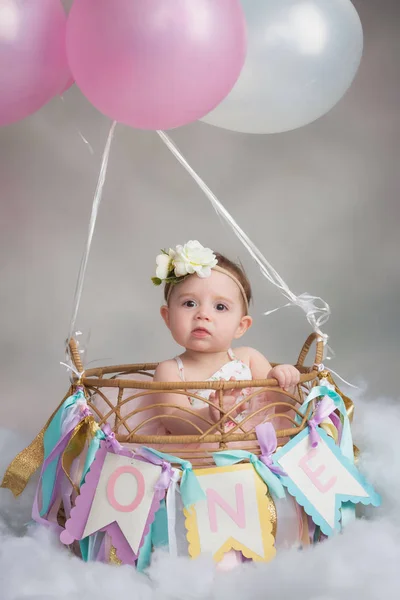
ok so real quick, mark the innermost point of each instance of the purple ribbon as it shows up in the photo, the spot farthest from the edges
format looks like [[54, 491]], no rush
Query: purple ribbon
[[267, 441], [324, 410], [336, 423], [167, 471], [113, 444]]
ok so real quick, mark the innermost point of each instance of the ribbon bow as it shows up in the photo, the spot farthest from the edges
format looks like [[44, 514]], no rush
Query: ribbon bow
[[167, 471], [191, 491], [231, 457], [324, 409], [113, 444], [165, 478], [267, 441]]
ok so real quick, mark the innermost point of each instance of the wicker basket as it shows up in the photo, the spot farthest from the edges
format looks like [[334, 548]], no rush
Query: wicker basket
[[126, 404]]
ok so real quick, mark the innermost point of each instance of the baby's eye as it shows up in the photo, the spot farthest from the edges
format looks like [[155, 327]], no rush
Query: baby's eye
[[189, 303], [221, 307]]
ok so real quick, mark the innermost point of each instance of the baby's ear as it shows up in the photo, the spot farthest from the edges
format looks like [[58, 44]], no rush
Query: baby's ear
[[164, 312], [245, 323]]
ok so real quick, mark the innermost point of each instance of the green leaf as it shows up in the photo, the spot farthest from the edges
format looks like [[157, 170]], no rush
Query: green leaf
[[156, 280], [174, 279]]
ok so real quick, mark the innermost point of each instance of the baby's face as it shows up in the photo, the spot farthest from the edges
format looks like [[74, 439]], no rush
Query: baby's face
[[205, 315]]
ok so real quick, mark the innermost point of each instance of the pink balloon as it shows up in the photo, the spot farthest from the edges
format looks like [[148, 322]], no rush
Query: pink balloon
[[69, 84], [33, 61], [156, 64]]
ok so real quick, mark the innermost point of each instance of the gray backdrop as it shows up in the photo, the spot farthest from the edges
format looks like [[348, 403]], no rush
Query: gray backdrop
[[320, 202]]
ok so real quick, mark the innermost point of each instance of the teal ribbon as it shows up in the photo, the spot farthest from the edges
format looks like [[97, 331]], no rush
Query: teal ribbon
[[84, 548], [346, 441], [190, 488], [51, 438], [91, 453], [157, 537], [159, 534], [232, 457], [143, 560]]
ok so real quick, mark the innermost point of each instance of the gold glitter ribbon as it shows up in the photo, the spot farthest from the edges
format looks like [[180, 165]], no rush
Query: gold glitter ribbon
[[27, 462], [113, 558], [330, 430], [272, 513], [83, 431]]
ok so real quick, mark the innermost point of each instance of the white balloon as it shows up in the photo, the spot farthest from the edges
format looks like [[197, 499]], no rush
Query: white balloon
[[302, 57]]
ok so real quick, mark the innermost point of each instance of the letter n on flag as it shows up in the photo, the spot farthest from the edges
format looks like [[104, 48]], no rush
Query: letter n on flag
[[234, 515]]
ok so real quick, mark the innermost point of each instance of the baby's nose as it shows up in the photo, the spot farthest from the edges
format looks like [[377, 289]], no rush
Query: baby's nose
[[202, 315]]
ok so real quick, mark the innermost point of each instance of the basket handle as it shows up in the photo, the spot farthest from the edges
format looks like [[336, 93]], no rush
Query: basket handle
[[319, 351], [75, 356]]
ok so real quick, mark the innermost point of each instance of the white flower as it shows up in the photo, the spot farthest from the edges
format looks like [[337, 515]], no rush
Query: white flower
[[184, 260], [164, 265], [193, 258]]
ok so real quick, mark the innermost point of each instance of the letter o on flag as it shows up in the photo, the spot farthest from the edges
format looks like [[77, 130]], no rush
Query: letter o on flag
[[111, 489]]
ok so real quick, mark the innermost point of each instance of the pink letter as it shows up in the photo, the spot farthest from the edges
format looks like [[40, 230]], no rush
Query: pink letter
[[316, 474], [238, 516], [111, 489]]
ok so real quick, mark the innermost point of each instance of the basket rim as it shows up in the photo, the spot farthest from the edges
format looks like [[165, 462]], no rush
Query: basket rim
[[95, 377], [90, 379]]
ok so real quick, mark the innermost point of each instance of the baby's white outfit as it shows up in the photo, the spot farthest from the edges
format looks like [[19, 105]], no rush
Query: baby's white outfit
[[234, 368]]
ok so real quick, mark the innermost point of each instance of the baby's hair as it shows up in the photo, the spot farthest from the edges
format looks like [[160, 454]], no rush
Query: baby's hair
[[235, 269]]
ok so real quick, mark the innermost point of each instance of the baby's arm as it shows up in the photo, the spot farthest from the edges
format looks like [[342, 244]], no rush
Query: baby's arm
[[286, 375], [171, 416]]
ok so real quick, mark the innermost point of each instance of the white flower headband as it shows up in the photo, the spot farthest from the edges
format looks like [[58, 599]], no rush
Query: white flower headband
[[175, 265]]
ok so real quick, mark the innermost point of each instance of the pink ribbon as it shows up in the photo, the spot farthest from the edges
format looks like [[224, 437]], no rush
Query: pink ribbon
[[324, 409], [267, 441]]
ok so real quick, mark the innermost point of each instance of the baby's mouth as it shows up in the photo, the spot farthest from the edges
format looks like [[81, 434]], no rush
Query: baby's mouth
[[201, 331]]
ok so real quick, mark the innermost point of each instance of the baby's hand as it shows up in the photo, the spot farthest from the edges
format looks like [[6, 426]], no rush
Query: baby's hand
[[286, 375], [230, 399]]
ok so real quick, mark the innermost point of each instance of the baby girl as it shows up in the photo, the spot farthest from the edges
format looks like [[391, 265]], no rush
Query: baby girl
[[206, 308]]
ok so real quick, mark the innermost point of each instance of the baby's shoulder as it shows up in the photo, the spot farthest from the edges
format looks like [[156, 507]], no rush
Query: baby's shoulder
[[167, 370], [250, 356], [245, 353]]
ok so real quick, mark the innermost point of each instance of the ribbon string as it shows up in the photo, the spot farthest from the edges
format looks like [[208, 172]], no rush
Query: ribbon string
[[92, 223], [316, 315]]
